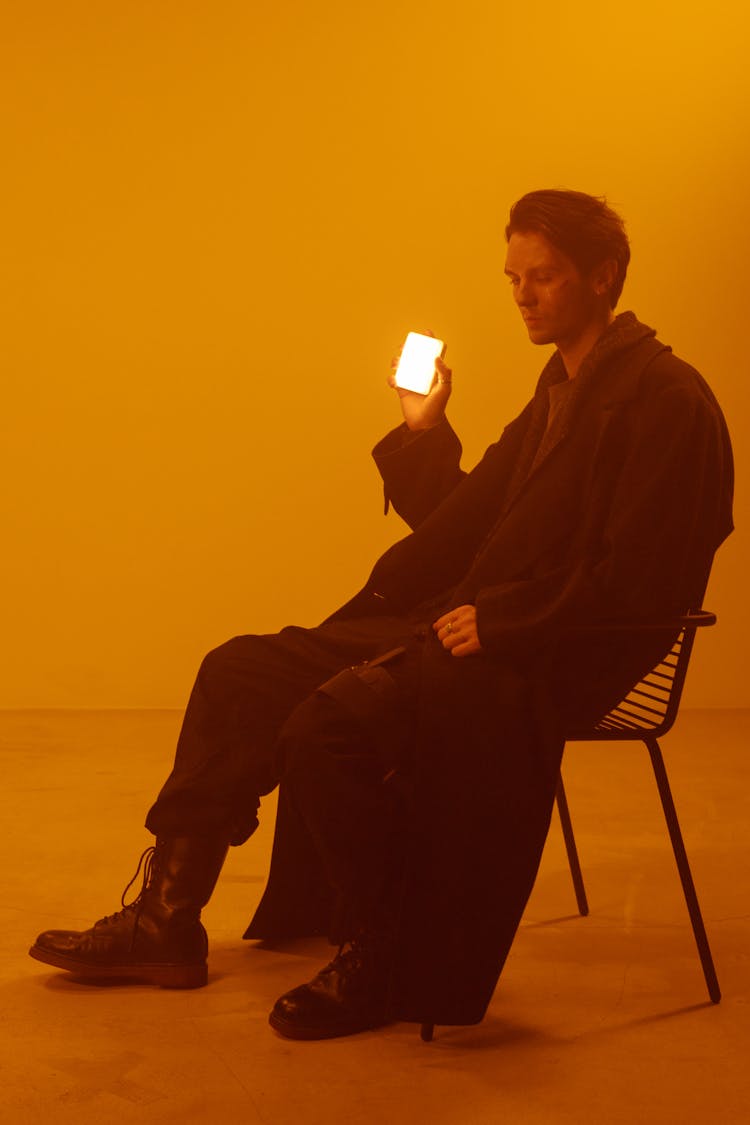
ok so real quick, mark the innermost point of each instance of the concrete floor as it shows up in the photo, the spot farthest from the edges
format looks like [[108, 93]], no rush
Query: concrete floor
[[602, 1019]]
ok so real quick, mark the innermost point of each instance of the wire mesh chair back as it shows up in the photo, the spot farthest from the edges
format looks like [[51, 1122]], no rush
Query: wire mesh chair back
[[650, 707]]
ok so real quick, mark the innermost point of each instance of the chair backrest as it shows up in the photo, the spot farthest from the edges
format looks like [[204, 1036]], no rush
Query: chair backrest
[[650, 707]]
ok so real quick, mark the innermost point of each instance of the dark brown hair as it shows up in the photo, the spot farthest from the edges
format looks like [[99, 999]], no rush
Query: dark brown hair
[[582, 226]]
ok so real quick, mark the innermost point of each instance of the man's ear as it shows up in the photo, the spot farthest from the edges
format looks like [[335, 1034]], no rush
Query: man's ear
[[604, 276]]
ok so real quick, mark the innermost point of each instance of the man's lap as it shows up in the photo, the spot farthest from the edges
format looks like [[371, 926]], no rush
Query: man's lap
[[244, 693]]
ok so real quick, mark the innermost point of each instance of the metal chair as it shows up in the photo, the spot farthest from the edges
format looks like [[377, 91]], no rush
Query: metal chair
[[645, 714]]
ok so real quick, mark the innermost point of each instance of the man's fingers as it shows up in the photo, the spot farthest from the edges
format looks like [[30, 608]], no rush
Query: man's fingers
[[465, 647], [453, 638], [443, 373], [445, 626], [457, 631], [450, 618], [455, 618]]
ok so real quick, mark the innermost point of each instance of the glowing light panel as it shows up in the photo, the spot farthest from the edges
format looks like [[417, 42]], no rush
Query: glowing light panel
[[416, 367]]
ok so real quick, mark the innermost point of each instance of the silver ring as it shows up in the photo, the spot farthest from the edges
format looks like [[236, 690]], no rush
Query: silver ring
[[449, 627]]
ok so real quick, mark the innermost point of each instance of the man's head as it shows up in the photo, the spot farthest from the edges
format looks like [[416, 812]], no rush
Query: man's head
[[567, 259], [581, 226]]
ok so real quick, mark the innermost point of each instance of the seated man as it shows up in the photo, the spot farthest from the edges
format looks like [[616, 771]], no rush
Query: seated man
[[417, 786]]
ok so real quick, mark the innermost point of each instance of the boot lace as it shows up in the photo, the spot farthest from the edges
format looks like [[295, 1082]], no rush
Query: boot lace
[[351, 958], [356, 976], [146, 863]]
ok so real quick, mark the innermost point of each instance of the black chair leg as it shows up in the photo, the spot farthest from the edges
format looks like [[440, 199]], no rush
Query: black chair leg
[[688, 887], [426, 1032], [570, 847]]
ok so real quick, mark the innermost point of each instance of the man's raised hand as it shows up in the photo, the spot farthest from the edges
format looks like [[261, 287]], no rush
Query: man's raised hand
[[422, 412]]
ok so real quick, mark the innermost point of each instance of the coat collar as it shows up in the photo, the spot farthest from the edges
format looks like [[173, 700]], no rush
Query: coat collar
[[616, 341], [607, 376]]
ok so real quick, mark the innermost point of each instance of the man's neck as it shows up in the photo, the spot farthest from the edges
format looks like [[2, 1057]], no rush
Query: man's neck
[[574, 353]]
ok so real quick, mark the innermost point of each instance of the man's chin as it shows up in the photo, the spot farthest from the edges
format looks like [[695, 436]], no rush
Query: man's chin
[[538, 334]]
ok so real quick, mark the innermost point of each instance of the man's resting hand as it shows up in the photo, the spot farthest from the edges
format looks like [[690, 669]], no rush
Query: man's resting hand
[[457, 631]]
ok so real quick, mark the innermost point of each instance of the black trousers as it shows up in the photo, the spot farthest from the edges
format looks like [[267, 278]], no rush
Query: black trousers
[[255, 718]]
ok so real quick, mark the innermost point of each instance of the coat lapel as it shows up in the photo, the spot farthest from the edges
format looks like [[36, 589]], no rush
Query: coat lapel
[[608, 379]]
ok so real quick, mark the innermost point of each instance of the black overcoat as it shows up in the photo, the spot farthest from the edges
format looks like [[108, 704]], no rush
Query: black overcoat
[[617, 518]]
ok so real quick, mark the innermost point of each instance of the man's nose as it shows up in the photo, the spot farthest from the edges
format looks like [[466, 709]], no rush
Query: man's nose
[[524, 295]]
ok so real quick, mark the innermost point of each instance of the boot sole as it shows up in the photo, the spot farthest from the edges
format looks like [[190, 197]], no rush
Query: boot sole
[[164, 975], [315, 1031]]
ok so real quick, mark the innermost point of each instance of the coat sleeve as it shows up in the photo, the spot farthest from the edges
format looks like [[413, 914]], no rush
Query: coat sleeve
[[659, 507], [418, 469]]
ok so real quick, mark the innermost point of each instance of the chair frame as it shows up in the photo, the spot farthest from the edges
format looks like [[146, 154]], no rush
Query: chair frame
[[646, 713], [636, 721]]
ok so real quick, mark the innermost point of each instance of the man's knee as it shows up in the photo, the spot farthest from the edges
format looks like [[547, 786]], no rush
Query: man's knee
[[302, 738], [221, 661]]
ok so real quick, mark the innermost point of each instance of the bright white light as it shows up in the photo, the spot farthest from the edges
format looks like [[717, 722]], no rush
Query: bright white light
[[416, 367]]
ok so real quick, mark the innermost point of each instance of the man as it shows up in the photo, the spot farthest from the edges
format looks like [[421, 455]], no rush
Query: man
[[417, 787]]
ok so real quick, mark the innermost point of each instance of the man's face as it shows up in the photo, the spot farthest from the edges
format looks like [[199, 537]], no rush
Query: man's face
[[557, 302]]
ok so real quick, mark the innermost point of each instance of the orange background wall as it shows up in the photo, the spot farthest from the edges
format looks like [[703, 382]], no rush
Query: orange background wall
[[219, 221]]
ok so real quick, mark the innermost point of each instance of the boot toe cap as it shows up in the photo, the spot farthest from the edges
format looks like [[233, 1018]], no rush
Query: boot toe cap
[[306, 1013], [59, 941]]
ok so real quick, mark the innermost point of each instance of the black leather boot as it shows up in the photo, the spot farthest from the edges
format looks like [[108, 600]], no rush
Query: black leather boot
[[347, 996], [157, 938]]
